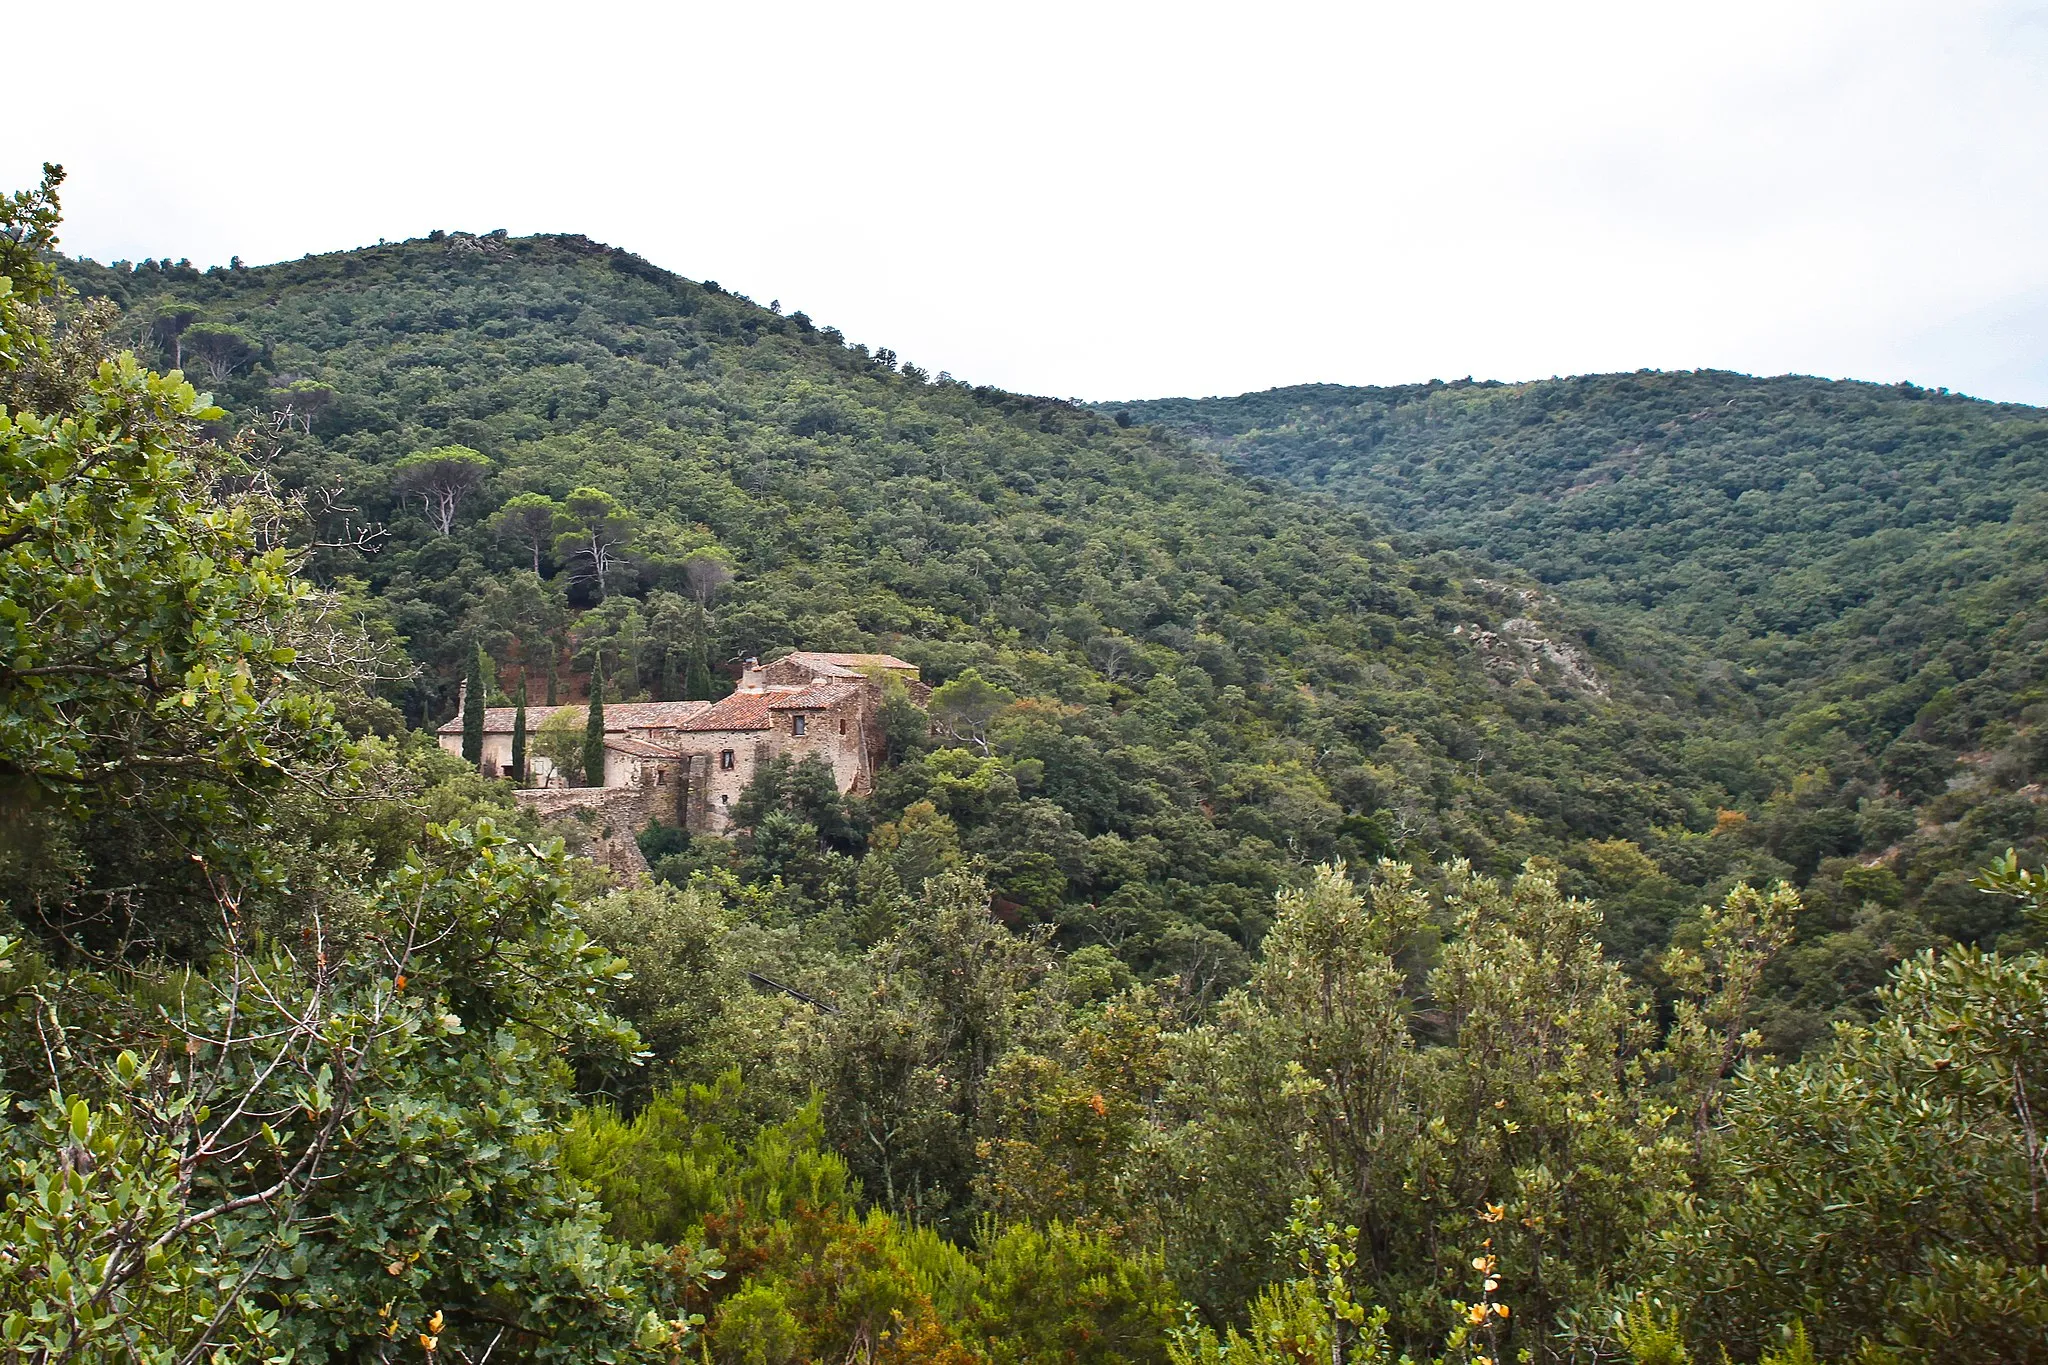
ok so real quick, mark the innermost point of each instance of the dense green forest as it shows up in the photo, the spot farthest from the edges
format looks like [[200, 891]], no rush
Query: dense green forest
[[1812, 541], [1275, 941], [1215, 687], [1851, 574]]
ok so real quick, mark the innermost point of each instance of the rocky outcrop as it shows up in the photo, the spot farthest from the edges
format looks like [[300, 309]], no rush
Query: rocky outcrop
[[1520, 648]]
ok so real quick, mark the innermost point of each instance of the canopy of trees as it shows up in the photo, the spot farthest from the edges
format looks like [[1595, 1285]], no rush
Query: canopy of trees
[[1190, 690], [1849, 577], [1268, 945]]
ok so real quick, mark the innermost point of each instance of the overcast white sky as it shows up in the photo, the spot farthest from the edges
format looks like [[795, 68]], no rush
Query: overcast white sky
[[1133, 200]]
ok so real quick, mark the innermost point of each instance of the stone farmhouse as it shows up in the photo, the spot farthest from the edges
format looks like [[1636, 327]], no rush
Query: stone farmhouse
[[686, 762]]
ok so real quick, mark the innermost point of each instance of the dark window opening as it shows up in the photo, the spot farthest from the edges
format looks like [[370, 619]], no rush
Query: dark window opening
[[842, 727], [725, 760], [796, 724]]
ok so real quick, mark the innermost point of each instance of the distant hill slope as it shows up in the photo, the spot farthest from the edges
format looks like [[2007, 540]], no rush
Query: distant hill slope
[[1800, 528], [1862, 567], [1220, 683]]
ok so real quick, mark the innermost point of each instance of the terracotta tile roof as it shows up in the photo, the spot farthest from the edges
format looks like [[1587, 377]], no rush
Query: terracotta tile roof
[[618, 716], [639, 748], [498, 719], [651, 715], [740, 711], [751, 710], [844, 665], [817, 695]]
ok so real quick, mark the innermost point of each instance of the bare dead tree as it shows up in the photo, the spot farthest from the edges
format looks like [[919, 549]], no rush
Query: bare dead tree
[[1112, 654]]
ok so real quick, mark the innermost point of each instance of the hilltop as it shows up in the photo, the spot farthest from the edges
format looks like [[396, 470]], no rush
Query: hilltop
[[1785, 524]]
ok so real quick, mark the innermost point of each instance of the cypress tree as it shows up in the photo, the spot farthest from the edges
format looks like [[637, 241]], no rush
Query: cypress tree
[[554, 674], [670, 686], [593, 729], [697, 684], [473, 710], [519, 732]]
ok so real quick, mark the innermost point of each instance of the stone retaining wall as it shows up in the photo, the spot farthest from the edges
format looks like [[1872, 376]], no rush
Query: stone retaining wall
[[599, 822]]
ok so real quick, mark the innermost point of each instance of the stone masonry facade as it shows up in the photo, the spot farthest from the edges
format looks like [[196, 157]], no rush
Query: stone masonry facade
[[686, 763]]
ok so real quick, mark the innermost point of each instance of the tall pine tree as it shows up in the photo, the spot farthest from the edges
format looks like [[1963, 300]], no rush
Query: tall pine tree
[[473, 700], [593, 729], [519, 731]]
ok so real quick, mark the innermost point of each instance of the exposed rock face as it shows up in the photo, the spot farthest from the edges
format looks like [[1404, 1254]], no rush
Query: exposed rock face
[[1520, 649]]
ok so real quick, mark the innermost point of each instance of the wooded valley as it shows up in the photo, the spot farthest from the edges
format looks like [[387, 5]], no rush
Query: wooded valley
[[1467, 872]]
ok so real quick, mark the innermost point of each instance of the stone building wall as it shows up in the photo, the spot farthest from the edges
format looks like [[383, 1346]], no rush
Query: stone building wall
[[842, 735], [838, 734], [714, 788], [602, 822]]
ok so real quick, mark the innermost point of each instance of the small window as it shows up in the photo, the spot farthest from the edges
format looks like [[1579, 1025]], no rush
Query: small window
[[796, 724], [842, 727], [725, 760]]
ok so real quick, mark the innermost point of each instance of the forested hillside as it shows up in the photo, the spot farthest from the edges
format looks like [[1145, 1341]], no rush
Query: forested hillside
[[1853, 573], [1214, 686], [1075, 1043], [1800, 529]]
